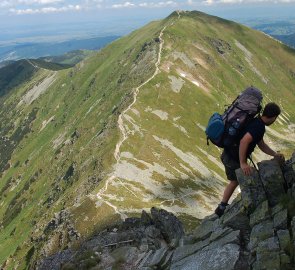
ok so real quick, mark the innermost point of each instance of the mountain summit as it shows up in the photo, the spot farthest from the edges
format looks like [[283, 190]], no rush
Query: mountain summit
[[123, 130]]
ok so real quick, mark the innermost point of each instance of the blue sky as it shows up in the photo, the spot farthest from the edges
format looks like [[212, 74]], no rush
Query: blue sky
[[31, 7], [20, 18], [34, 7]]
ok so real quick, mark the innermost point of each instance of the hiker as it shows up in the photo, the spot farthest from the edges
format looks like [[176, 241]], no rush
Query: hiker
[[236, 156]]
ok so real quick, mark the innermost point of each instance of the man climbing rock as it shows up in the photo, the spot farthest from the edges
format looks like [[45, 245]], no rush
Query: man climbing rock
[[236, 156]]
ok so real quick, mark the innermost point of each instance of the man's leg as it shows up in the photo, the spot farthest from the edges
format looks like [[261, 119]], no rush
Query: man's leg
[[230, 166], [229, 190]]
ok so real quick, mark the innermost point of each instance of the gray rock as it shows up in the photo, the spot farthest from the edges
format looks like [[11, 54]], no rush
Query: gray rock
[[276, 209], [293, 191], [280, 220], [187, 240], [231, 238], [130, 223], [219, 233], [218, 258], [285, 261], [269, 245], [217, 223], [203, 231], [146, 219], [270, 170], [147, 257], [293, 226], [289, 171], [125, 253], [293, 231], [158, 257], [284, 240], [54, 262], [260, 232], [185, 251], [289, 178], [174, 243], [168, 224], [212, 217], [236, 216], [252, 191], [152, 232], [167, 261], [261, 213], [152, 237], [268, 261]]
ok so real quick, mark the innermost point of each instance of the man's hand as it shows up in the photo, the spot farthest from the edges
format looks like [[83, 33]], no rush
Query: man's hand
[[279, 157], [246, 169]]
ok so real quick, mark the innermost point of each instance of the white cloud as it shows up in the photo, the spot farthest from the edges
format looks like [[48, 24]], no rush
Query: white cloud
[[51, 6], [124, 5], [45, 10], [157, 4], [40, 2]]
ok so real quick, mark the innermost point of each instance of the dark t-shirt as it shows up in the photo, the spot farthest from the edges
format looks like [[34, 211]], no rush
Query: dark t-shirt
[[257, 129]]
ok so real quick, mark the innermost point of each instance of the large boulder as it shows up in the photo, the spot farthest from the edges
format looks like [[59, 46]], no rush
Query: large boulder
[[273, 180], [170, 227], [218, 258], [252, 190], [236, 216]]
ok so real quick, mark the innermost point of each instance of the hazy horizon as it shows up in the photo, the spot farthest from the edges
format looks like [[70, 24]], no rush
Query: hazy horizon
[[38, 21]]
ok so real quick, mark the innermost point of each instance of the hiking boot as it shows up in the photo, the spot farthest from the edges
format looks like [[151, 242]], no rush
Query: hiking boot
[[219, 211]]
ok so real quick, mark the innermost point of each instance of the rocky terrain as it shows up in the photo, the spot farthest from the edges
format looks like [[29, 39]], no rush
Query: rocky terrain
[[256, 232]]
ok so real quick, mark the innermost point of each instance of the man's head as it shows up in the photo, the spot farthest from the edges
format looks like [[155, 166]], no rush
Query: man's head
[[270, 113]]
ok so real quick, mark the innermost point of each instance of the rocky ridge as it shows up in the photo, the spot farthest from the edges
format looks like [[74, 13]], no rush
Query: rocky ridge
[[256, 232]]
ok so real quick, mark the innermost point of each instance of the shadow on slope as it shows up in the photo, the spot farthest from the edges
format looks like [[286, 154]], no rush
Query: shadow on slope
[[18, 72]]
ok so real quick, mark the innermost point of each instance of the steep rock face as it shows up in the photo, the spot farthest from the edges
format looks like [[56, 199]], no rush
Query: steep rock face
[[256, 232]]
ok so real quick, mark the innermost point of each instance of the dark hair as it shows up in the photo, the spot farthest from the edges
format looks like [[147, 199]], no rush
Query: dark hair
[[271, 110]]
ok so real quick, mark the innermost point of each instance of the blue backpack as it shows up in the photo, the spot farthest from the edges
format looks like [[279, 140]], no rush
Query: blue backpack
[[223, 130]]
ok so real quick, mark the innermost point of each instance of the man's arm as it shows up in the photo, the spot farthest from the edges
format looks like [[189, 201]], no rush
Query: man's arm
[[244, 144], [267, 150]]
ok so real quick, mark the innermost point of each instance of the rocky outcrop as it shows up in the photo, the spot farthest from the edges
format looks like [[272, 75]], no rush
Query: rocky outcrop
[[257, 231], [136, 242]]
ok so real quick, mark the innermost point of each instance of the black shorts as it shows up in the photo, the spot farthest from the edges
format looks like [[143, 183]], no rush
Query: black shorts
[[230, 166]]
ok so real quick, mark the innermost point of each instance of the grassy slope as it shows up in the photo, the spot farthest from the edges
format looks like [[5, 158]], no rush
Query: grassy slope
[[163, 161]]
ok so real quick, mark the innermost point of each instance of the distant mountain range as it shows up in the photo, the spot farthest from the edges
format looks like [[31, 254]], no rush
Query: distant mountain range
[[281, 30], [36, 50], [287, 39], [86, 146], [17, 72]]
